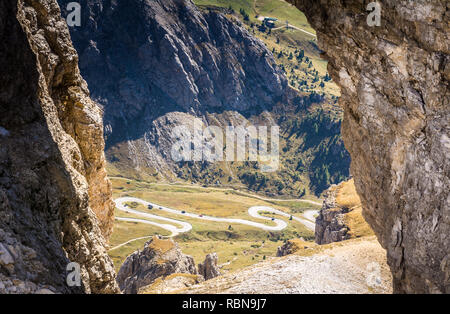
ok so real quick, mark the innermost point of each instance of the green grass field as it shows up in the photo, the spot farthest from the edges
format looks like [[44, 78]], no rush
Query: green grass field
[[279, 9], [307, 75], [237, 245], [247, 5]]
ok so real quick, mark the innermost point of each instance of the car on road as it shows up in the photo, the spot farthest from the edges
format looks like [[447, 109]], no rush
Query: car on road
[[183, 212]]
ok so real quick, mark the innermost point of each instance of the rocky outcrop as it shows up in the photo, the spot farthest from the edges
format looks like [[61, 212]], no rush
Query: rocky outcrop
[[52, 175], [159, 258], [330, 224], [292, 246], [209, 269], [396, 95]]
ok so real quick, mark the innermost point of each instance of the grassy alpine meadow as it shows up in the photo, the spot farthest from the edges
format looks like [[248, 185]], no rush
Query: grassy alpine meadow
[[237, 245], [279, 9]]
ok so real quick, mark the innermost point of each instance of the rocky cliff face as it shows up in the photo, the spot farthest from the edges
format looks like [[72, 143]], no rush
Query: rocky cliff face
[[395, 92], [155, 65], [52, 175], [159, 258]]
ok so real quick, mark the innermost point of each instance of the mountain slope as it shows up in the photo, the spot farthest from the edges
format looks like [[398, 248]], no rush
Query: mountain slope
[[153, 57], [395, 92], [156, 65]]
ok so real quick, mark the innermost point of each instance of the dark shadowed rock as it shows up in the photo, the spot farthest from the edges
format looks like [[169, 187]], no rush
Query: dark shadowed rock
[[144, 58]]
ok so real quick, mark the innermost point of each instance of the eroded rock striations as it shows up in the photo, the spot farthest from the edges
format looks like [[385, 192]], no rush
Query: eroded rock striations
[[52, 175], [395, 92], [159, 258]]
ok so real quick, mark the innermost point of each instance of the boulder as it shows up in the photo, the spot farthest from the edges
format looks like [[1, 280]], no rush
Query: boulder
[[158, 259]]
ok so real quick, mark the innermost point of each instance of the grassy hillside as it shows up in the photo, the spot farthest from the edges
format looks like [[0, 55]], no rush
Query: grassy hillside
[[283, 11], [312, 152]]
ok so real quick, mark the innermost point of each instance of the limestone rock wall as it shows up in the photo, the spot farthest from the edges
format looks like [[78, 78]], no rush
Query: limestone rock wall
[[52, 175], [396, 95]]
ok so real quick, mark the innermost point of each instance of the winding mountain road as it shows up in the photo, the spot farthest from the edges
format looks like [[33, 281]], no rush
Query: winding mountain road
[[178, 226]]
